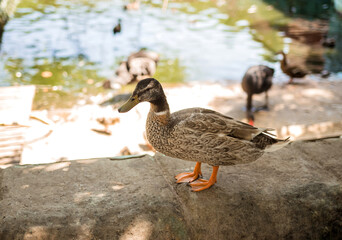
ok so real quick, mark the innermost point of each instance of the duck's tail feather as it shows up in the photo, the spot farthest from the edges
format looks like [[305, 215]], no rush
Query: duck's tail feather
[[278, 145], [265, 131], [268, 141]]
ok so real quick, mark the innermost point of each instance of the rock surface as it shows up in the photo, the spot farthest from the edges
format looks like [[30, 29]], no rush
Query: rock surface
[[294, 193]]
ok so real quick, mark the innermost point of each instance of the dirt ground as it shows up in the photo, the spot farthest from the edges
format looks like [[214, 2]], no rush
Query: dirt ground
[[308, 110]]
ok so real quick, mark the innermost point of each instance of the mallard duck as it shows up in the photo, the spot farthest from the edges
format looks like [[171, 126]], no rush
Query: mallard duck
[[142, 64], [139, 65], [257, 79], [292, 71], [199, 135], [117, 27]]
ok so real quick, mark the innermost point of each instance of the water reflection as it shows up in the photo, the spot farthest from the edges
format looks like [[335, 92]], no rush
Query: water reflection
[[197, 40], [59, 80], [323, 22], [333, 58]]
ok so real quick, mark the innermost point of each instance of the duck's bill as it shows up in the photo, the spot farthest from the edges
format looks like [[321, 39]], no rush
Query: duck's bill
[[132, 101]]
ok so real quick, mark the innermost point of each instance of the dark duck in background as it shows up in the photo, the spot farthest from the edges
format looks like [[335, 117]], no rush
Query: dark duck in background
[[257, 79], [117, 27], [199, 135]]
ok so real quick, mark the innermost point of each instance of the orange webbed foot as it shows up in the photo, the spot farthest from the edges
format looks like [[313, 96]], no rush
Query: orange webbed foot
[[202, 184], [187, 177], [251, 122], [190, 177]]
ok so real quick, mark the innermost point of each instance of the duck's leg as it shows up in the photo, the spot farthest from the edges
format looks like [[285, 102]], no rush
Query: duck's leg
[[265, 107], [202, 184], [190, 177], [250, 115]]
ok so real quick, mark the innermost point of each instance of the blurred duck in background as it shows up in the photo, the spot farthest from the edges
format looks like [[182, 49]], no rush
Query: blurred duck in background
[[291, 70], [139, 65], [257, 79]]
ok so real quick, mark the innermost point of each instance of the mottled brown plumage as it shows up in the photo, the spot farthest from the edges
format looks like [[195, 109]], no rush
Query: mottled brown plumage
[[293, 71], [139, 65], [198, 134]]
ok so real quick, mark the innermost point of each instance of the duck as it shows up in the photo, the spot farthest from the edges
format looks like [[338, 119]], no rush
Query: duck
[[117, 27], [293, 71], [141, 68], [257, 79], [199, 135], [142, 64], [139, 65]]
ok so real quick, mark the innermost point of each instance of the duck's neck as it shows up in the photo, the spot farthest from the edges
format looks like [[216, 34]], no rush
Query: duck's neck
[[160, 110], [283, 62]]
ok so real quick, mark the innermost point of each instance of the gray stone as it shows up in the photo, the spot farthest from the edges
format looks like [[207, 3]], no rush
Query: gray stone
[[99, 199], [294, 193]]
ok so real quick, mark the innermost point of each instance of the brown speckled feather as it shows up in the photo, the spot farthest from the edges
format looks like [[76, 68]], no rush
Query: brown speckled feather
[[203, 135], [206, 120]]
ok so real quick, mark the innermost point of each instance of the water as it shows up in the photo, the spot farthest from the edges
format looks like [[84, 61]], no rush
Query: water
[[67, 48]]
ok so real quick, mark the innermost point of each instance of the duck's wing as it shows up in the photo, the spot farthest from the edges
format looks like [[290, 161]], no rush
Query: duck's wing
[[297, 71], [209, 121]]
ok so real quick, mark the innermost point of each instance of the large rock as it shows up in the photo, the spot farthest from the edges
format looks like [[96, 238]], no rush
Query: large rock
[[294, 193], [99, 199]]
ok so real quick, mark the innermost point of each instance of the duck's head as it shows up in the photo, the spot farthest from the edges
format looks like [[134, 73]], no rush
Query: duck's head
[[147, 90]]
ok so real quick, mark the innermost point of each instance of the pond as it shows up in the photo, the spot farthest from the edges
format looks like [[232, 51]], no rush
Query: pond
[[67, 48]]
